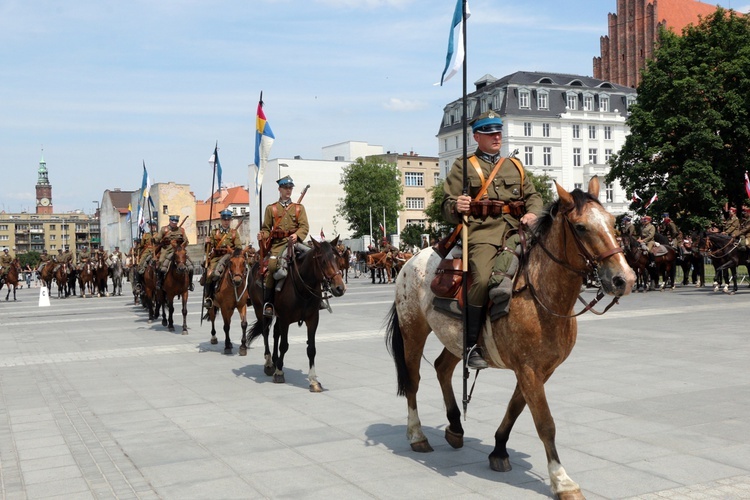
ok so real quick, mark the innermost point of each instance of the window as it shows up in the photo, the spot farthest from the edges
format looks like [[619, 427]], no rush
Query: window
[[415, 222], [435, 178], [576, 131], [527, 129], [588, 103], [52, 237], [524, 99], [445, 144], [592, 131], [165, 209], [607, 155], [51, 227], [4, 227], [528, 155], [592, 156], [243, 210], [542, 100], [456, 142], [609, 191], [4, 237], [414, 203], [413, 179], [484, 106], [495, 101], [608, 132], [572, 102], [576, 157], [545, 129], [631, 101], [577, 185], [604, 103], [547, 157]]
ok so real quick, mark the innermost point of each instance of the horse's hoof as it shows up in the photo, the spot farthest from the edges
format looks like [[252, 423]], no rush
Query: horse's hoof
[[243, 351], [227, 350], [421, 447], [184, 331], [500, 464], [171, 329], [164, 322], [278, 378], [268, 370], [454, 439], [316, 387], [571, 495], [214, 340]]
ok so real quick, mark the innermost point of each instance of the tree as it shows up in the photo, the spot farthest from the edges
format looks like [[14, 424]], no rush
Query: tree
[[370, 185], [689, 135], [31, 258], [411, 235], [542, 185]]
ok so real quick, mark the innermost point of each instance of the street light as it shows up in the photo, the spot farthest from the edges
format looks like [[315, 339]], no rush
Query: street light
[[97, 206], [281, 165]]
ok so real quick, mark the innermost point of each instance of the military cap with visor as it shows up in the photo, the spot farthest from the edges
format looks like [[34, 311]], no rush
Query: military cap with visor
[[174, 218], [488, 122], [285, 181], [226, 214]]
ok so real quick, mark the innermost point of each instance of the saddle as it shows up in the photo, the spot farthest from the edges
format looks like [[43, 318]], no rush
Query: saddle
[[659, 250], [448, 283]]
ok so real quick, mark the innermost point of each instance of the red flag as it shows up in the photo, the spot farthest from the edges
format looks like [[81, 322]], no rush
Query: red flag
[[322, 236], [653, 199], [747, 185], [635, 197], [382, 229]]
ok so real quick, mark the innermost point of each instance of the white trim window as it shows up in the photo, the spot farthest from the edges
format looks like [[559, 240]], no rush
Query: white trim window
[[592, 131], [607, 155], [576, 157], [608, 132], [527, 130], [609, 192], [542, 100], [604, 103], [588, 102], [576, 131], [414, 203], [524, 99], [593, 156], [545, 129], [572, 101], [547, 156], [528, 155], [413, 179]]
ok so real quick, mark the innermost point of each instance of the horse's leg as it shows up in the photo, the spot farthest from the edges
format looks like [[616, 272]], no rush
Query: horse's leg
[[734, 282], [269, 360], [280, 347], [445, 365], [226, 315], [531, 384], [312, 327], [184, 313], [242, 308], [170, 321], [499, 458]]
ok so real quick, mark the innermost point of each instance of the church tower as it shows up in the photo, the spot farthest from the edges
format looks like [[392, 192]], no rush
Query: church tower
[[43, 190]]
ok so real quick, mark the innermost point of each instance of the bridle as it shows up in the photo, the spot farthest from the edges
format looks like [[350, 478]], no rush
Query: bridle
[[318, 271], [713, 253], [589, 271], [244, 279]]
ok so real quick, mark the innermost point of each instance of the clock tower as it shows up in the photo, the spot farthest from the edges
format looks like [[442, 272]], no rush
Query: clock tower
[[43, 190]]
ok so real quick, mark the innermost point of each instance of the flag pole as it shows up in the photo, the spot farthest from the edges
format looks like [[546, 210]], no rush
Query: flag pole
[[210, 221], [465, 228]]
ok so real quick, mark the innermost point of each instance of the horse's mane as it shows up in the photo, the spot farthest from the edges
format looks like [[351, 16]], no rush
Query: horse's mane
[[544, 222]]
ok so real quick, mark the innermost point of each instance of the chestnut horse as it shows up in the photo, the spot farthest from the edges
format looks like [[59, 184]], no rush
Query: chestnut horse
[[176, 284], [232, 293], [86, 279], [298, 301], [574, 237], [345, 253], [11, 278]]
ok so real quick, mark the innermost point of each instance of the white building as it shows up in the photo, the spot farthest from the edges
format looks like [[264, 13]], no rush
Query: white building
[[565, 126]]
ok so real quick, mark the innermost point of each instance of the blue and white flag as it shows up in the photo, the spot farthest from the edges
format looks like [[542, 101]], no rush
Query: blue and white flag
[[214, 162], [455, 57]]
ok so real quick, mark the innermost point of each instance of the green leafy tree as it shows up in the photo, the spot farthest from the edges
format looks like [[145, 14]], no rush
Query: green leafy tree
[[542, 184], [370, 184], [31, 258], [689, 131], [412, 235]]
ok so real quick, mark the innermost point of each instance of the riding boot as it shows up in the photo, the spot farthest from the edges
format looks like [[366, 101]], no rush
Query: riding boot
[[475, 322], [208, 303], [159, 279], [501, 283], [191, 286], [268, 309]]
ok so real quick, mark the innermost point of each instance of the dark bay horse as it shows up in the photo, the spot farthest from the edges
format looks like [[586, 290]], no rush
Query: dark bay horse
[[692, 259], [101, 275], [148, 291], [574, 237], [298, 301], [638, 261], [725, 255], [176, 284], [11, 278], [47, 275], [86, 279], [232, 294], [65, 276], [345, 254], [666, 263]]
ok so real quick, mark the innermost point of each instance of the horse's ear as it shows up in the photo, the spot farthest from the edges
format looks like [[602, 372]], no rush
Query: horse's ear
[[594, 187], [335, 242], [566, 200]]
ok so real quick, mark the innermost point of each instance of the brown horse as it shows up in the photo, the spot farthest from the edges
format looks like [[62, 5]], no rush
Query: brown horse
[[101, 275], [148, 291], [383, 262], [574, 238], [232, 293], [176, 283], [298, 301], [11, 278], [638, 261], [47, 275], [86, 279], [345, 253], [65, 276]]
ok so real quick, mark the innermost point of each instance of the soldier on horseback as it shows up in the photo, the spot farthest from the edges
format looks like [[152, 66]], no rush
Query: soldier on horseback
[[6, 260], [145, 252], [63, 259], [43, 260], [648, 233], [84, 256], [283, 221], [733, 228], [509, 200], [169, 233], [220, 246], [669, 229], [628, 229]]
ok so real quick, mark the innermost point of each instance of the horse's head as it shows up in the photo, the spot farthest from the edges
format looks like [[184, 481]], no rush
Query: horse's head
[[585, 238], [180, 255], [238, 267], [327, 268]]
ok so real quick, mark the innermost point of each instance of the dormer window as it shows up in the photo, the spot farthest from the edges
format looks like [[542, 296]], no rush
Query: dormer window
[[542, 100], [524, 99], [604, 103], [572, 100], [588, 102]]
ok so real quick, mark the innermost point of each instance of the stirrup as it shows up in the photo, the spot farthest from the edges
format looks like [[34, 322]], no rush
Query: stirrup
[[208, 303], [475, 360], [268, 310]]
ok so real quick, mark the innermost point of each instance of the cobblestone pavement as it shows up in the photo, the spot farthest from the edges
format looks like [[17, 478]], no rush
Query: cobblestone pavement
[[95, 402]]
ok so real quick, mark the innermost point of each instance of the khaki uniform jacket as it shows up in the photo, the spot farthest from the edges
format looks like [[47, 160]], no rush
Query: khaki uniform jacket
[[67, 257], [648, 232], [6, 260], [83, 256], [223, 242], [505, 186], [146, 247], [291, 223], [732, 226], [629, 230], [44, 258]]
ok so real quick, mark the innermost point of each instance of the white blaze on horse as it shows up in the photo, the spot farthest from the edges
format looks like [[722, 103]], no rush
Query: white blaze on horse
[[574, 238]]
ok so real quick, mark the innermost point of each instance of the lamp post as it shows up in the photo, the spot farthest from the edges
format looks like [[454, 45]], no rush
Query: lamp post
[[284, 165]]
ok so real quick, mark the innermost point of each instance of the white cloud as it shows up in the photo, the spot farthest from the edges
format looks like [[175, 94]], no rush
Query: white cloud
[[404, 105]]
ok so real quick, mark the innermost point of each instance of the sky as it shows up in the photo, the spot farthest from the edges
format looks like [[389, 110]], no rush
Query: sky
[[98, 87]]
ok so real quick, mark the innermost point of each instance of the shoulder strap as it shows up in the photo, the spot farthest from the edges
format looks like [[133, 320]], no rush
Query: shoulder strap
[[486, 184], [521, 171]]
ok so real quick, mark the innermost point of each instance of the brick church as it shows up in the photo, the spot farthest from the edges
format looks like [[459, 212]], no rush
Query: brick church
[[633, 32]]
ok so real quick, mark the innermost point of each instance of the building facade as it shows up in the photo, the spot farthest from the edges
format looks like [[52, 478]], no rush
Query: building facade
[[633, 32], [564, 126], [25, 232], [113, 219]]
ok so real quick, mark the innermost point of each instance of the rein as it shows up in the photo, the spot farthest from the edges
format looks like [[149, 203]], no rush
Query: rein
[[592, 265], [245, 280], [714, 254], [317, 271]]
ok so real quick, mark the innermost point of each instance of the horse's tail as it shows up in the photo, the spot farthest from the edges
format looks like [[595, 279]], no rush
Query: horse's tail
[[395, 343], [255, 331]]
